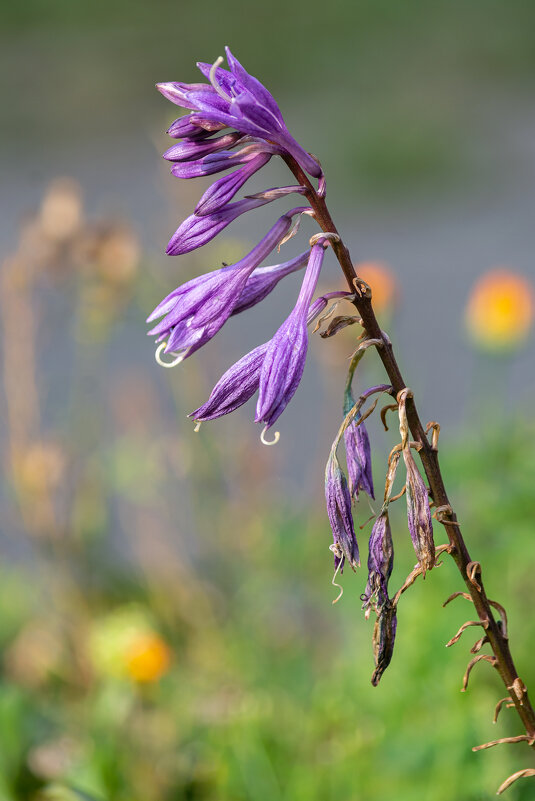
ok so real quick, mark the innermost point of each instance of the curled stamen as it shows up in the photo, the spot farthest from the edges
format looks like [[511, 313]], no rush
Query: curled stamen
[[198, 424], [264, 441], [336, 550], [159, 349], [318, 237], [214, 82]]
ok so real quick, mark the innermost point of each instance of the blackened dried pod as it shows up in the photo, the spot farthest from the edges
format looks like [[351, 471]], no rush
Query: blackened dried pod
[[380, 563], [419, 514], [384, 635]]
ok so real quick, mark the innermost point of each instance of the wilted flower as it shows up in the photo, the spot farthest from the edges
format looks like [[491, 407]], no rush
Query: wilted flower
[[358, 455], [340, 517], [500, 310], [384, 635], [380, 562], [419, 514]]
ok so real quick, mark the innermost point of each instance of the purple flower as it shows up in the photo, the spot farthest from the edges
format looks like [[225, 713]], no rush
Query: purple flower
[[241, 380], [225, 188], [419, 514], [234, 388], [340, 517], [194, 312], [380, 562], [197, 231], [285, 358], [191, 149], [192, 126], [384, 635], [238, 100], [264, 280], [358, 455]]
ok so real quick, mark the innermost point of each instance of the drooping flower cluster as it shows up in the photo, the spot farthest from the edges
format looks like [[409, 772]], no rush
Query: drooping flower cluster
[[193, 313], [234, 126]]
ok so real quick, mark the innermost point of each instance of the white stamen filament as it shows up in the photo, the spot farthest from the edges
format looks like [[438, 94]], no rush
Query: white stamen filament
[[214, 82], [335, 548], [161, 362], [198, 424], [264, 441]]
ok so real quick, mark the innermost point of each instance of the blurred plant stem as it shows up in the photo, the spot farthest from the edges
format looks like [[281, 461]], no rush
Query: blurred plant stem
[[470, 570]]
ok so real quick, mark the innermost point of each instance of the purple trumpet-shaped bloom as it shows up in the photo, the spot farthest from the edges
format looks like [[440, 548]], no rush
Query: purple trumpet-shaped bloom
[[223, 190], [380, 562], [238, 100], [384, 635], [285, 358], [339, 511], [419, 514], [234, 388], [359, 461], [241, 380], [194, 312], [196, 231]]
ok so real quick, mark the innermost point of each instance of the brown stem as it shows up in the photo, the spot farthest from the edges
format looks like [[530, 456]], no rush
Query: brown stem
[[498, 642]]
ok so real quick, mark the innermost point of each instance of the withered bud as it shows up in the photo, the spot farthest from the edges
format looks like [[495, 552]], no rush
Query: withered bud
[[337, 323], [380, 563], [419, 514], [384, 635]]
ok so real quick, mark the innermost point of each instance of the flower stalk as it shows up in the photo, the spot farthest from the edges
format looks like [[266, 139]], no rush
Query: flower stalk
[[429, 456]]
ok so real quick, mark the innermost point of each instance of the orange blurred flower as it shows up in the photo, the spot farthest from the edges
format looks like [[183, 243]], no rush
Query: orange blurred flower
[[383, 283], [147, 657], [500, 310]]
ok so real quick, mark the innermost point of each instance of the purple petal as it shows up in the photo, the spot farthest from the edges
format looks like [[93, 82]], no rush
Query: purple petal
[[223, 190], [264, 280], [191, 149], [235, 387]]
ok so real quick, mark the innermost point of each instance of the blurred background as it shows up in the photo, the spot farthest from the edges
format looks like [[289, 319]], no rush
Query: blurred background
[[166, 624]]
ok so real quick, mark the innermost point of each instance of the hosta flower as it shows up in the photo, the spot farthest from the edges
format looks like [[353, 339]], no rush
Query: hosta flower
[[380, 562], [384, 635], [196, 231], [235, 99], [285, 357], [419, 514], [241, 380], [194, 312], [359, 460], [340, 517]]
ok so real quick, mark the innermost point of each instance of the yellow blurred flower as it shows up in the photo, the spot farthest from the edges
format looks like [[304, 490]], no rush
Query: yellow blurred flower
[[147, 657], [124, 644], [383, 284], [500, 310]]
